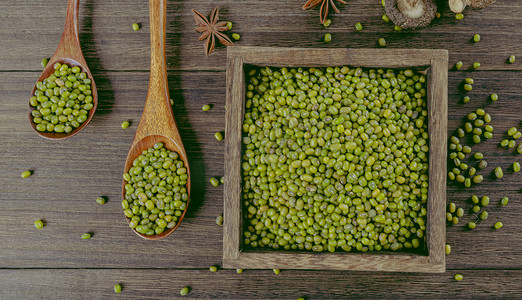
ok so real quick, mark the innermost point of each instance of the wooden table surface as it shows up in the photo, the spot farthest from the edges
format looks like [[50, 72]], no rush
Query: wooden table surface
[[56, 263]]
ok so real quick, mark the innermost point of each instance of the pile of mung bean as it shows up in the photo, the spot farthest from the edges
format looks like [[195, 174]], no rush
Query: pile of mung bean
[[477, 126], [335, 158], [62, 101], [155, 190]]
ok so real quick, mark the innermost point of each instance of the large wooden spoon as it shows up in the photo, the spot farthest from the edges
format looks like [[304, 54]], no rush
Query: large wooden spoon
[[157, 122], [68, 52]]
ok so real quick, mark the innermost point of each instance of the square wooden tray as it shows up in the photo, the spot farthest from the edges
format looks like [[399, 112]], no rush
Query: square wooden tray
[[436, 64]]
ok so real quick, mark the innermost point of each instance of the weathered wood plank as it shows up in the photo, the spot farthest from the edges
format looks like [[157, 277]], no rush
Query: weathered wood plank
[[69, 175], [251, 284], [109, 43]]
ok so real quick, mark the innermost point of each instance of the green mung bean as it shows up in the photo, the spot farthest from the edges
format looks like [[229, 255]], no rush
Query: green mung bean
[[327, 23], [498, 225], [327, 38], [458, 65], [478, 179], [498, 172], [327, 148], [484, 201], [156, 195], [458, 277], [100, 200], [62, 101], [218, 135], [184, 291], [460, 212], [214, 181], [38, 224], [504, 201]]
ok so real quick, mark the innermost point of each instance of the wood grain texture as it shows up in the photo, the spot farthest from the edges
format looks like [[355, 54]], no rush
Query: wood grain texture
[[235, 95], [69, 175], [437, 94], [437, 100], [109, 42], [253, 284]]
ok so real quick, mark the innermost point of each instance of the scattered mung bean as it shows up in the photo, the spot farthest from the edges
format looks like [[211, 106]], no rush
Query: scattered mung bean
[[38, 224], [498, 172]]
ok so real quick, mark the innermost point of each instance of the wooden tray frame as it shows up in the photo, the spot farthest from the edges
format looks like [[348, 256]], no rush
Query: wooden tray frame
[[436, 63]]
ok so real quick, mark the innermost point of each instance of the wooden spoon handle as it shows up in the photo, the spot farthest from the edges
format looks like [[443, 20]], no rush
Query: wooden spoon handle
[[70, 43], [157, 118]]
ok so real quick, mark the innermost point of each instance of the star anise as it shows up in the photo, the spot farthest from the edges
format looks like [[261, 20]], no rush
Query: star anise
[[325, 7], [210, 29]]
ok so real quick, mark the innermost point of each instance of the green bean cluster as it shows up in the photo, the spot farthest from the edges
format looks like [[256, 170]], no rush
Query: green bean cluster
[[477, 126], [511, 142], [155, 193], [62, 101], [335, 158]]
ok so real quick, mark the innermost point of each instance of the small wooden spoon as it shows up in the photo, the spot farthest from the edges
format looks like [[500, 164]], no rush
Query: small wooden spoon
[[68, 52], [157, 122]]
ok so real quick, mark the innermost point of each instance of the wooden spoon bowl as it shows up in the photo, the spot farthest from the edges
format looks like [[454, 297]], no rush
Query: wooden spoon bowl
[[68, 52], [157, 121]]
